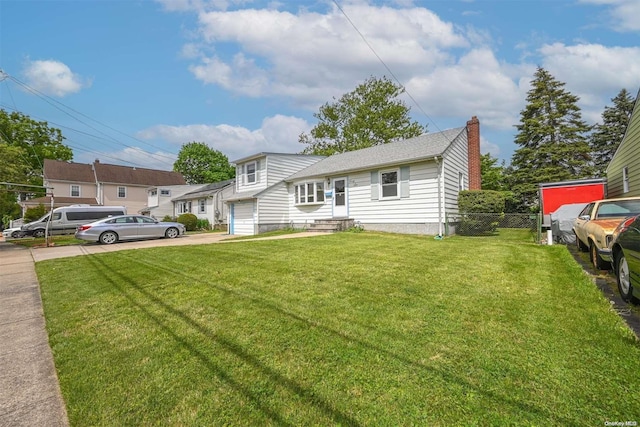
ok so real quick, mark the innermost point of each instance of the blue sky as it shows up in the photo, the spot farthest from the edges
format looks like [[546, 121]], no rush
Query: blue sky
[[130, 82]]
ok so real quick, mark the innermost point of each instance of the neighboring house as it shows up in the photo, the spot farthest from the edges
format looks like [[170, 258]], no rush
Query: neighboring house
[[207, 202], [407, 186], [623, 172], [160, 199], [260, 202], [101, 184]]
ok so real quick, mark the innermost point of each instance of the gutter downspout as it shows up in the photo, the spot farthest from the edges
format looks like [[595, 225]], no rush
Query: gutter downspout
[[439, 168]]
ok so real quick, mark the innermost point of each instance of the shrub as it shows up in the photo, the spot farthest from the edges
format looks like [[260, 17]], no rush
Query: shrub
[[203, 224], [189, 220], [474, 206], [34, 213], [168, 218]]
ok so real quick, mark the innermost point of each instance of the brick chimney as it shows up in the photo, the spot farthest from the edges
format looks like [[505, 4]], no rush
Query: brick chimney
[[473, 141]]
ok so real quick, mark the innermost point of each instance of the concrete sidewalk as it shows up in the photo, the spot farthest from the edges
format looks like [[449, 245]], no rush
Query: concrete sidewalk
[[29, 389]]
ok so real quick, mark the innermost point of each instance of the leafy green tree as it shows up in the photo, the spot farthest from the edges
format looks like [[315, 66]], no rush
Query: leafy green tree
[[37, 140], [13, 169], [551, 136], [607, 136], [370, 115], [200, 164], [493, 175]]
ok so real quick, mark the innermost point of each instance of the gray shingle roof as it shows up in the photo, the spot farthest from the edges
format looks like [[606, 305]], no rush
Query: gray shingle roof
[[205, 190], [401, 152]]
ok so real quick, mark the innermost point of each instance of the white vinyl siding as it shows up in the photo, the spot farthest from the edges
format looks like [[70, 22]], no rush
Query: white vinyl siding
[[421, 206], [454, 172]]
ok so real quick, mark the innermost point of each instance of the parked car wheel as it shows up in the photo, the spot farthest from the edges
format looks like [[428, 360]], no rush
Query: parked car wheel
[[581, 246], [597, 261], [171, 233], [624, 279], [38, 233], [16, 234], [108, 237]]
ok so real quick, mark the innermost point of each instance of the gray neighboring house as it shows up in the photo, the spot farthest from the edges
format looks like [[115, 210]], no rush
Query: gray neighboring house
[[207, 202], [407, 186], [623, 172]]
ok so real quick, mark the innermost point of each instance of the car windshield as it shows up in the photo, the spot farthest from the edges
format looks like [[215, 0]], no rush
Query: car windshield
[[619, 208]]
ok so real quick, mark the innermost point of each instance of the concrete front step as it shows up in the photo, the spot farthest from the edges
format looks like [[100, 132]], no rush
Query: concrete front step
[[331, 225]]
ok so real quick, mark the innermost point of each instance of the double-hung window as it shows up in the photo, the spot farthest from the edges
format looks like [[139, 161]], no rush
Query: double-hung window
[[122, 192], [251, 173], [309, 193], [202, 206], [389, 184], [75, 191]]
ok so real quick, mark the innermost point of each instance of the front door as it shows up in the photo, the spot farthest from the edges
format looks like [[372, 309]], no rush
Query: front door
[[340, 198]]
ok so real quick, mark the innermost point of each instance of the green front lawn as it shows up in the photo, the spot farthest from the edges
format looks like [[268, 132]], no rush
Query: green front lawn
[[343, 329]]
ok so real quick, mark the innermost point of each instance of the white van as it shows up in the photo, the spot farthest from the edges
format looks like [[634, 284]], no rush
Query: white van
[[66, 219]]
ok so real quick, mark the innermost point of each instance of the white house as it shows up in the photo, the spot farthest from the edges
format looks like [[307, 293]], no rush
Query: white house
[[160, 199], [407, 186], [207, 202], [261, 200]]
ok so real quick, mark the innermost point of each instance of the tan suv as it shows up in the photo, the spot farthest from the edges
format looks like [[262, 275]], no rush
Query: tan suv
[[595, 225]]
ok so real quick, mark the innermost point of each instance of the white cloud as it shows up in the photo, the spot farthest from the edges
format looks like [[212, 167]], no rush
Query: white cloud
[[131, 156], [53, 78], [301, 56], [593, 72], [277, 134], [624, 13]]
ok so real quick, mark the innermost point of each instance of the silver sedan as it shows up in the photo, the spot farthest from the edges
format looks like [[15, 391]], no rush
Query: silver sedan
[[128, 227]]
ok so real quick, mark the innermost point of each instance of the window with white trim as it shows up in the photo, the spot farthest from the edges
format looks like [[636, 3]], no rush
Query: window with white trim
[[154, 192], [122, 192], [184, 207], [75, 191], [460, 181], [202, 206], [165, 193], [309, 193], [251, 173], [389, 184], [625, 179]]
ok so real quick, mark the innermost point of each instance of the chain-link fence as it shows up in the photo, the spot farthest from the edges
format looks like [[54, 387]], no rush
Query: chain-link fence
[[488, 224]]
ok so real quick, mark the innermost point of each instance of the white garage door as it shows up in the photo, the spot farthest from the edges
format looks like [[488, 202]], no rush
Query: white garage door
[[243, 218]]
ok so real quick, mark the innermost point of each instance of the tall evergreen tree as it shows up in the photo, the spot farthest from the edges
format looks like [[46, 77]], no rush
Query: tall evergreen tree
[[552, 139], [607, 136]]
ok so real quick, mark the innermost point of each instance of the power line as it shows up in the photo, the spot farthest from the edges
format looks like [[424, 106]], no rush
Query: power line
[[385, 65], [56, 104]]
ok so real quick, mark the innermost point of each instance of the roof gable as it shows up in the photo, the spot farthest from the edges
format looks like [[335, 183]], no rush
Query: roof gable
[[422, 147]]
